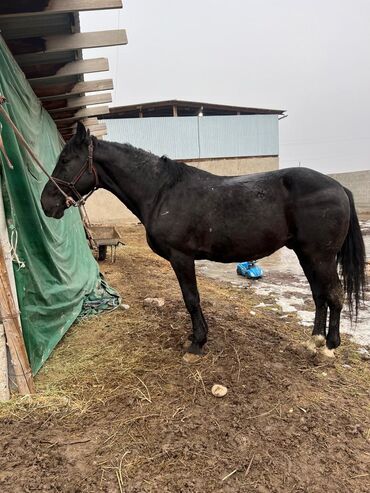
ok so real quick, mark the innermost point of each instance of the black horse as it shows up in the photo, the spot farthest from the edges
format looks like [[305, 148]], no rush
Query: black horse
[[190, 214]]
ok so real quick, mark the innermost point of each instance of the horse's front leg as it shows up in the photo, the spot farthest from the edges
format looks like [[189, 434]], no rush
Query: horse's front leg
[[185, 271]]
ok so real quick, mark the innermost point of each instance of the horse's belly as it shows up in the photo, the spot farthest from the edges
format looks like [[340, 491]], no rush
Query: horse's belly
[[222, 248]]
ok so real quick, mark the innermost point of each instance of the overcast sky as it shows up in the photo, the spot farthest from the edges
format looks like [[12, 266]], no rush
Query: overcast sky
[[309, 57]]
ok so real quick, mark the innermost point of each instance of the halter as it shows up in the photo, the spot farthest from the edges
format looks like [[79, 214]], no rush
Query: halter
[[56, 181], [71, 185]]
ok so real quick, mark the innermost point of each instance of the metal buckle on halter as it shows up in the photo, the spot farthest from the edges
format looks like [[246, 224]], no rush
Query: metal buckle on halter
[[70, 201]]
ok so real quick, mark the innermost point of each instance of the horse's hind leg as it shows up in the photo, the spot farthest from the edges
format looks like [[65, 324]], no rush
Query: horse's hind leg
[[334, 297], [185, 271], [327, 293], [319, 297], [335, 302]]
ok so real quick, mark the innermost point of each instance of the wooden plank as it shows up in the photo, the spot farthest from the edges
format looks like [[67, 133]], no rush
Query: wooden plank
[[70, 126], [79, 102], [13, 333], [21, 48], [57, 86], [99, 133], [75, 68], [70, 131], [37, 26], [81, 88], [4, 377], [96, 128], [84, 113], [57, 7], [96, 133], [88, 121]]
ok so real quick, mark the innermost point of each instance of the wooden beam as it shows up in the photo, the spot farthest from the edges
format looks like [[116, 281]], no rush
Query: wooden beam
[[81, 88], [100, 133], [96, 133], [96, 128], [93, 128], [84, 113], [88, 121], [56, 7], [70, 126], [13, 333], [75, 68], [77, 102], [22, 48], [4, 376]]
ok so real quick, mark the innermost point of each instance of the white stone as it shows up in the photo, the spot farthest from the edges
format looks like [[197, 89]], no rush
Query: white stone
[[158, 302], [219, 390]]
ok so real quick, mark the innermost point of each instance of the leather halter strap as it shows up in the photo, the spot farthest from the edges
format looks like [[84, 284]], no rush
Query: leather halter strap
[[71, 185]]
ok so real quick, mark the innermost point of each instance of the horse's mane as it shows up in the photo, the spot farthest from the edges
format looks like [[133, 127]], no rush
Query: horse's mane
[[174, 171]]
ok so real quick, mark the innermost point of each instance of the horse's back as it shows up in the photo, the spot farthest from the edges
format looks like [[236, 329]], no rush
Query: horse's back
[[296, 180], [250, 216]]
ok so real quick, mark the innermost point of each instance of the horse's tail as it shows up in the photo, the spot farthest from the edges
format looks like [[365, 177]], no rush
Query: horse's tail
[[351, 259]]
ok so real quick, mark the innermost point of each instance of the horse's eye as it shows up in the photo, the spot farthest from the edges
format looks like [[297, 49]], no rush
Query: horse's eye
[[64, 160]]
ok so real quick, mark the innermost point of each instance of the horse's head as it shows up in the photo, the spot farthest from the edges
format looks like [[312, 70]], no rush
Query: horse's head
[[74, 174]]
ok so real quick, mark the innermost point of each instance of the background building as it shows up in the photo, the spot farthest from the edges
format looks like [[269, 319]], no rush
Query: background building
[[225, 140], [359, 184]]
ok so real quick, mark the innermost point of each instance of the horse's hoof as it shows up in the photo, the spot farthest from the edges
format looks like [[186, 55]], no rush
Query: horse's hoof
[[325, 356], [310, 346], [319, 340], [327, 353], [191, 358], [186, 345]]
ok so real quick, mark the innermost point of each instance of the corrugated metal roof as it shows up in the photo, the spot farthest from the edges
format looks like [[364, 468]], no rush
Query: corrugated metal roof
[[175, 107]]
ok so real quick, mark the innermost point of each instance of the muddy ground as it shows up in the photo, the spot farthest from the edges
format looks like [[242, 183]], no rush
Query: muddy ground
[[118, 410]]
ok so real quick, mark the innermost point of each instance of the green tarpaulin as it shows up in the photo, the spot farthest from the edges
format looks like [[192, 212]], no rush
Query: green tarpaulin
[[59, 269]]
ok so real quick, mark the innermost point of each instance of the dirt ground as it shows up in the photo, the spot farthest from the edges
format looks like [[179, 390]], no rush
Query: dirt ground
[[118, 410]]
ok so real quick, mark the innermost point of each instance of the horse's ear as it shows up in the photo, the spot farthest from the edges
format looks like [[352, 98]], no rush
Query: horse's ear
[[81, 133]]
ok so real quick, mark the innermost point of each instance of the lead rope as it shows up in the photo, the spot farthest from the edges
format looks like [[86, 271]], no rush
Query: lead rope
[[87, 226], [13, 249], [21, 140], [69, 199], [2, 149]]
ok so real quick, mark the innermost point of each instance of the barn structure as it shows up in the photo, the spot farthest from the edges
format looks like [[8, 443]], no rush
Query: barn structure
[[42, 95], [225, 140]]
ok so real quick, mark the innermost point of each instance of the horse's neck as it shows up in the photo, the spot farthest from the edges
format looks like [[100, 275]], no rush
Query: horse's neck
[[122, 172]]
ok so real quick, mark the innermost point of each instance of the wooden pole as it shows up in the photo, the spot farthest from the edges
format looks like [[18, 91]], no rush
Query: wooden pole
[[13, 333], [4, 377]]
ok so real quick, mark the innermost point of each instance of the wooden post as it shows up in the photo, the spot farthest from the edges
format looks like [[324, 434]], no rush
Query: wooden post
[[13, 333], [4, 377]]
